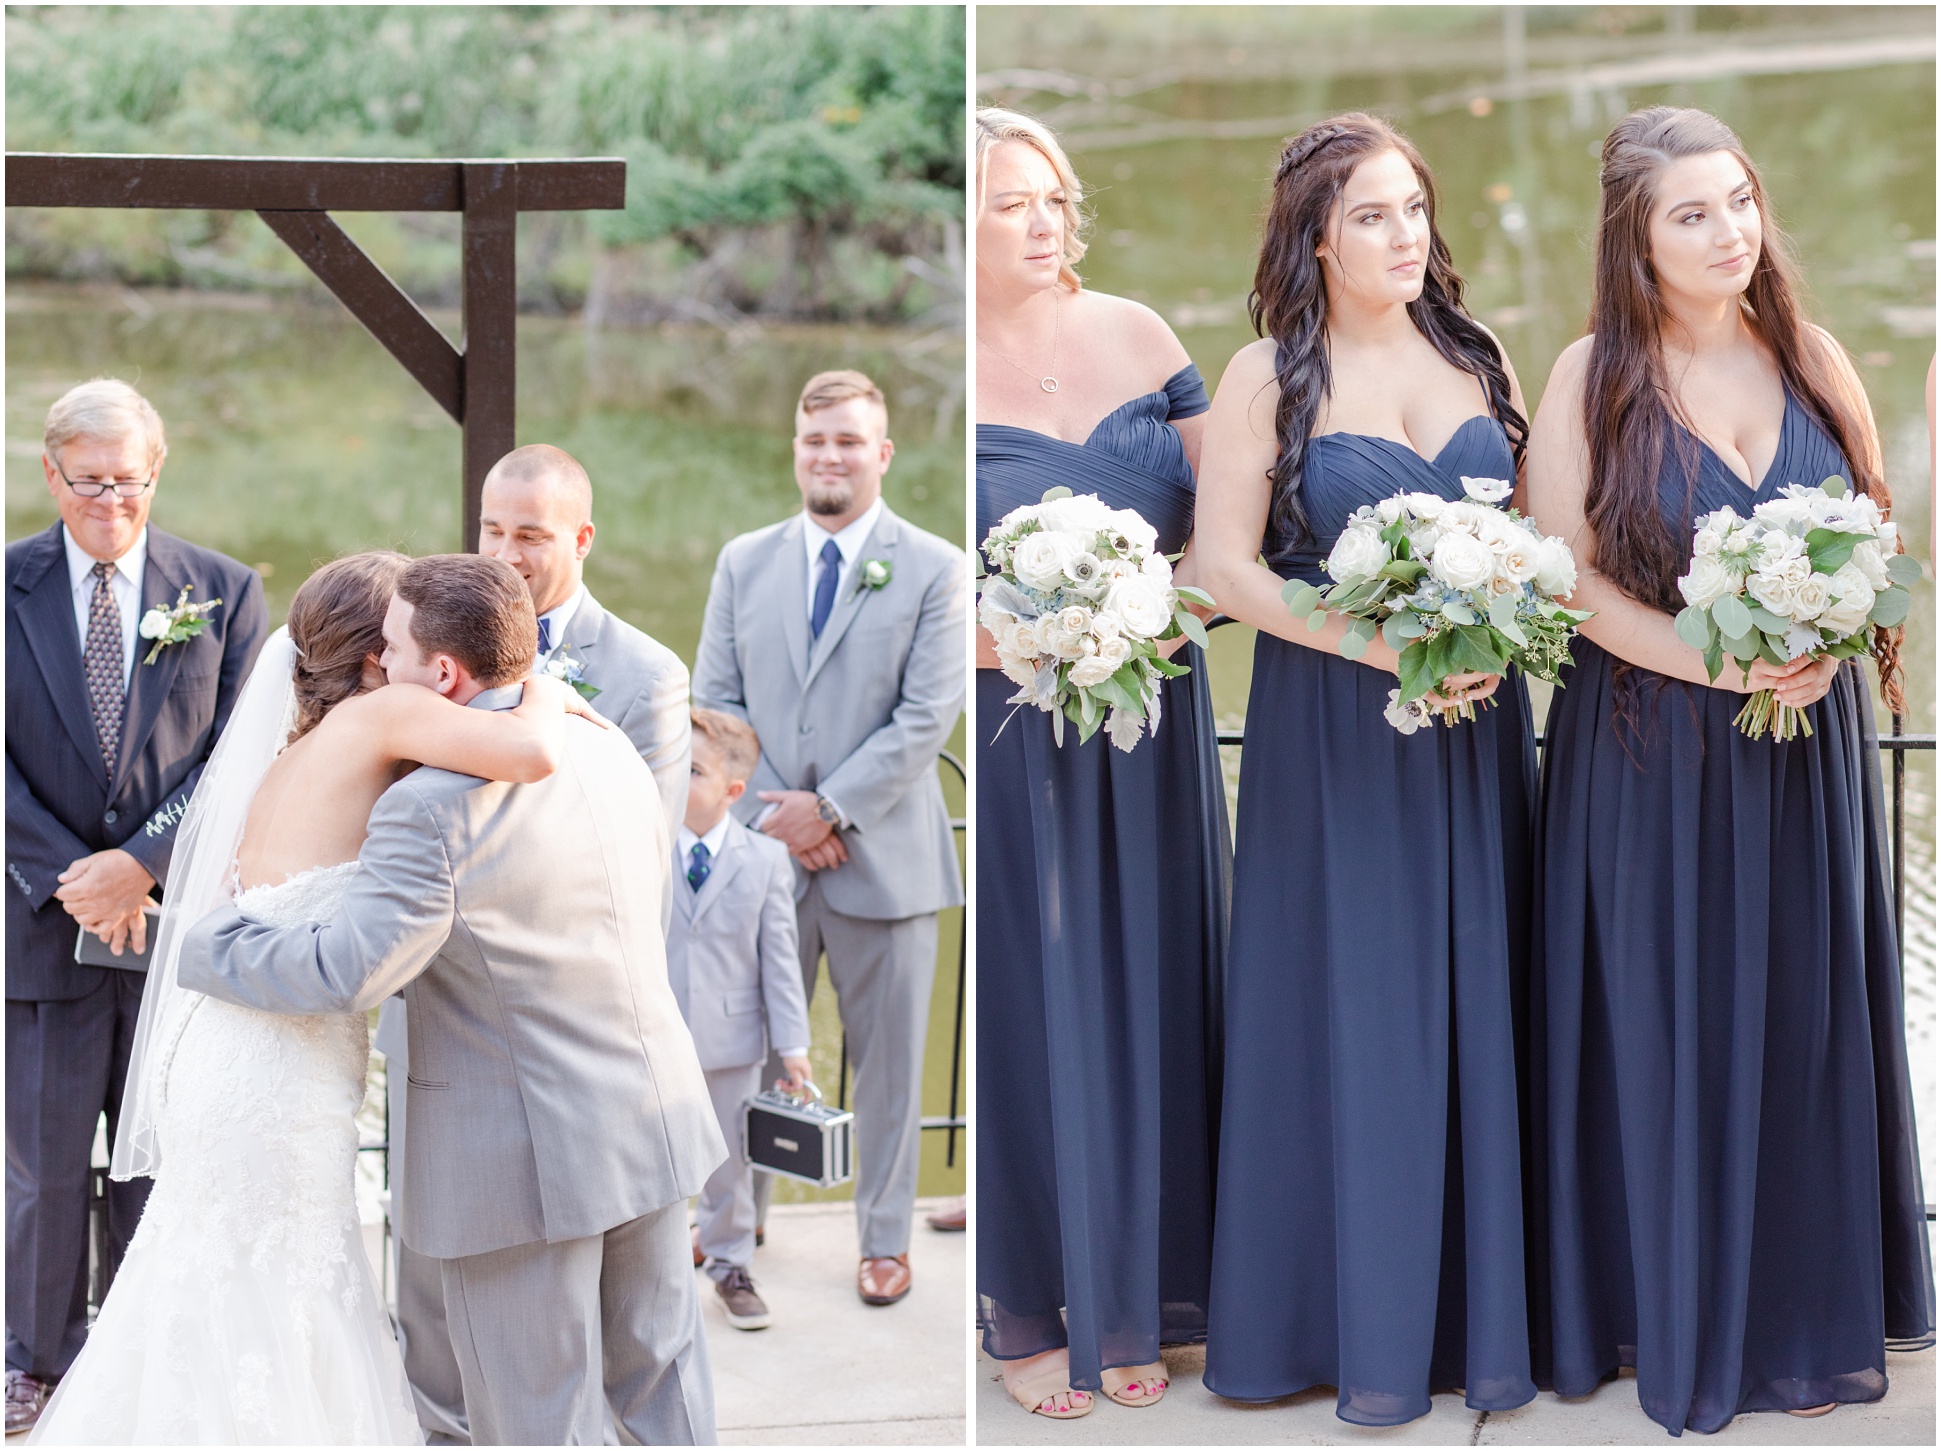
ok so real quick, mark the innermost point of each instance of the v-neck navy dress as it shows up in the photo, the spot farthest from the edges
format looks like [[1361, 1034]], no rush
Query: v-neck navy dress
[[1722, 1105], [1102, 880], [1370, 1226]]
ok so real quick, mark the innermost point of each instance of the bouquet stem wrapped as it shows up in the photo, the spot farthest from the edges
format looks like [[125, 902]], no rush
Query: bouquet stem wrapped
[[1810, 573], [1453, 586], [1078, 601]]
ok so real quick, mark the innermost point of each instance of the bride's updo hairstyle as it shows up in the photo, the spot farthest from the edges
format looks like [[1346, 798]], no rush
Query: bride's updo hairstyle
[[1290, 297], [1627, 395], [996, 125], [337, 622]]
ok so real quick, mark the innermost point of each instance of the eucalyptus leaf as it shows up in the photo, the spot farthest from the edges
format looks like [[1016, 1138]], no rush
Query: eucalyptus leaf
[[1392, 631], [1302, 598], [1695, 627], [1904, 569], [1191, 627], [1461, 613], [1197, 596], [1404, 571], [1890, 606], [1352, 646], [1766, 620], [1060, 492], [1743, 647], [1316, 620], [1169, 669], [1834, 487], [1411, 627], [1731, 614]]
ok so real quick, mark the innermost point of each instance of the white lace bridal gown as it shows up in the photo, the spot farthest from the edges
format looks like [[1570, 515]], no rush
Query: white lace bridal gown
[[245, 1312]]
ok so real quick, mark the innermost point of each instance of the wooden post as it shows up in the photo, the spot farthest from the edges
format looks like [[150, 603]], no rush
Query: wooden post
[[491, 190]]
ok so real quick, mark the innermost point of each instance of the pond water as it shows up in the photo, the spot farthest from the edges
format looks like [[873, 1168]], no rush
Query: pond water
[[1176, 162], [294, 437]]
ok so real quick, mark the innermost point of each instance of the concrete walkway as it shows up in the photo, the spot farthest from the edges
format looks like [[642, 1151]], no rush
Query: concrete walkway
[[1191, 1415], [830, 1370]]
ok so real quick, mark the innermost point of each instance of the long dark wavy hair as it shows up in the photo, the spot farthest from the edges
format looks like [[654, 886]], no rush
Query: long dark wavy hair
[[1628, 403], [1290, 297]]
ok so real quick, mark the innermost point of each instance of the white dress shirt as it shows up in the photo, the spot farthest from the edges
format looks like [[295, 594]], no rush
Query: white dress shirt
[[125, 585], [849, 543], [558, 619], [685, 841]]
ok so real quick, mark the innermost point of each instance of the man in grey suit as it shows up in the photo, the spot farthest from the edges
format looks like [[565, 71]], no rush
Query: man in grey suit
[[536, 514], [840, 636], [559, 1117]]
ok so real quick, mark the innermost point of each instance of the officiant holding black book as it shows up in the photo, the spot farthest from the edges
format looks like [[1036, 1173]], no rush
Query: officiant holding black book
[[125, 649]]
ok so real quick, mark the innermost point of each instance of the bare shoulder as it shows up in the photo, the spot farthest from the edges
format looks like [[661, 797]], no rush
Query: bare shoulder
[[1133, 328], [1836, 355], [1252, 367]]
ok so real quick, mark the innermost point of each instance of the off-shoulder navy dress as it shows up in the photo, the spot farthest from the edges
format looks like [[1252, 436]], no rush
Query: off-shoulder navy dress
[[1370, 1226], [1102, 881], [1734, 1195]]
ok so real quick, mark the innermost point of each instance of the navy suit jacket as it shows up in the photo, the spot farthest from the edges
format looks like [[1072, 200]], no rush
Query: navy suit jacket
[[60, 803]]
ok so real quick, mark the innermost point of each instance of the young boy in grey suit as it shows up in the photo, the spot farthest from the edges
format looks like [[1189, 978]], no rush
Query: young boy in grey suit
[[732, 962]]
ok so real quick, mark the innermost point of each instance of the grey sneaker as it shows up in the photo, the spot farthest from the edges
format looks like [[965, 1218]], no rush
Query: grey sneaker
[[746, 1310]]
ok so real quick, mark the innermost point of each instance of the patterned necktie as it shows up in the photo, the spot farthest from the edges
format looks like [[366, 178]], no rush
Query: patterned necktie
[[698, 868], [102, 663], [545, 634], [825, 588]]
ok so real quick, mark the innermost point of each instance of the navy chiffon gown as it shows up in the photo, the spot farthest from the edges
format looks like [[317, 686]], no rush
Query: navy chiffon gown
[[1370, 1227], [1726, 1128], [1101, 918]]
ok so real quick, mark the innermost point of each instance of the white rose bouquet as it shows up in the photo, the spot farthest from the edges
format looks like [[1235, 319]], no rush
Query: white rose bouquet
[[1078, 596], [1453, 586], [1808, 574]]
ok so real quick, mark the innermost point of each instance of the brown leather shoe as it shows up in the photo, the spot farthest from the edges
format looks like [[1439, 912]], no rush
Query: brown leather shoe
[[694, 1239], [951, 1218], [884, 1281], [26, 1399]]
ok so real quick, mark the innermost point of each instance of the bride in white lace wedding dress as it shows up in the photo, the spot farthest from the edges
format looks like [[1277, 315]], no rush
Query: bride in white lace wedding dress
[[245, 1311]]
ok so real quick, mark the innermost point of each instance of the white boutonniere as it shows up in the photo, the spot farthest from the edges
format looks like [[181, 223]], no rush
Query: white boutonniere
[[874, 574], [563, 666], [172, 624]]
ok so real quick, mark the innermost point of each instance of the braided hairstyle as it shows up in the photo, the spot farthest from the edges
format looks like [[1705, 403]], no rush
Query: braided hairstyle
[[337, 623], [1290, 297]]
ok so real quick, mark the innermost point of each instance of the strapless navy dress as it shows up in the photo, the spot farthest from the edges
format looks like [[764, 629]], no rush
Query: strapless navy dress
[[1370, 1227], [1722, 1105], [1102, 883]]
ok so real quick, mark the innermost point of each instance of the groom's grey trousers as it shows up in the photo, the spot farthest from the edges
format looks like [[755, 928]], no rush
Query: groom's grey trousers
[[547, 1338], [882, 973]]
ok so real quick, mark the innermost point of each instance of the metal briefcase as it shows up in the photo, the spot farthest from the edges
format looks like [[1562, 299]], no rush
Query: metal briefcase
[[798, 1138]]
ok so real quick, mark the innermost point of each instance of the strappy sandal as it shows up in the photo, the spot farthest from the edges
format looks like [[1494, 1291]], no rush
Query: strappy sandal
[[1119, 1379], [1046, 1384]]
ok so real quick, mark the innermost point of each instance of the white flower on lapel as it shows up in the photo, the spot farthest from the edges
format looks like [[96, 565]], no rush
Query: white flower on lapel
[[564, 667], [172, 624], [874, 574]]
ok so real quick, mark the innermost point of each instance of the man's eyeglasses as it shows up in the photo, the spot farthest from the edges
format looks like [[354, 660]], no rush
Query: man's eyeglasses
[[95, 488]]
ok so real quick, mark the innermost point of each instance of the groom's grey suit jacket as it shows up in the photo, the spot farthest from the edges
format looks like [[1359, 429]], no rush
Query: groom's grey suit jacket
[[554, 1092], [857, 714]]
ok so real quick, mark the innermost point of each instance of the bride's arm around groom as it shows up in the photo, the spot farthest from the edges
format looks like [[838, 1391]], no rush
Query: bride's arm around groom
[[559, 1118]]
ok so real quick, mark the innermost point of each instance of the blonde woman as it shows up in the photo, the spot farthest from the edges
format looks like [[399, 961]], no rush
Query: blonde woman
[[1102, 875]]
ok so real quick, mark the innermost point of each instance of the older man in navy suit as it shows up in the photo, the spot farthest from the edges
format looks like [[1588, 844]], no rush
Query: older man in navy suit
[[107, 734]]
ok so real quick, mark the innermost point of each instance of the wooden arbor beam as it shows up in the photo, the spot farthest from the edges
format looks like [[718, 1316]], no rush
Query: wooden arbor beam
[[294, 196]]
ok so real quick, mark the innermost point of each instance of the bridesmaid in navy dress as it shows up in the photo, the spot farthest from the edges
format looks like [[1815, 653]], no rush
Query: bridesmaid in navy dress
[[1102, 875], [1723, 1115], [1370, 1226]]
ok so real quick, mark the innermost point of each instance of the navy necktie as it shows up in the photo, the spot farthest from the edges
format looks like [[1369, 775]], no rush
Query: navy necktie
[[825, 588], [698, 868], [545, 634]]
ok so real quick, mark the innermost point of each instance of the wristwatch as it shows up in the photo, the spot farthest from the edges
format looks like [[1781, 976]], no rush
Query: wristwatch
[[826, 809]]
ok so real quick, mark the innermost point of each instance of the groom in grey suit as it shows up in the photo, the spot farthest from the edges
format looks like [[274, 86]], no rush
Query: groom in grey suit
[[840, 636], [559, 1117], [536, 514]]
